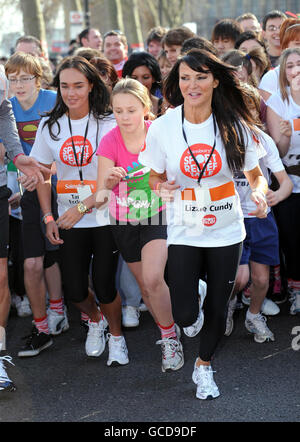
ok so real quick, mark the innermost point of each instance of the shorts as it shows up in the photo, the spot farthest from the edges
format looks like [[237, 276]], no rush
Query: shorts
[[261, 244], [35, 242], [131, 239], [4, 221], [84, 246]]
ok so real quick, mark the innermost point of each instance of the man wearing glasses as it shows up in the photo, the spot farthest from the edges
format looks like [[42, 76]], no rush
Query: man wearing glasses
[[115, 48], [271, 27]]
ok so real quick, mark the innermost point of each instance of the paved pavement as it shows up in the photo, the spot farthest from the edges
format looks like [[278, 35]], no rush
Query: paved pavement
[[258, 382]]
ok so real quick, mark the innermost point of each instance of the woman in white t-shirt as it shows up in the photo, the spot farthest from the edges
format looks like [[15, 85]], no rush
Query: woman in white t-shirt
[[283, 120], [198, 145], [289, 38], [70, 135]]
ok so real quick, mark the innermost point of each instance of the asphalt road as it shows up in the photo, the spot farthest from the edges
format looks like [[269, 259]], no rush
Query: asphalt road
[[257, 382]]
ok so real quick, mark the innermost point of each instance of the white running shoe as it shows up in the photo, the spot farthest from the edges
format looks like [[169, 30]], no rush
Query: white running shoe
[[130, 316], [259, 328], [206, 386], [172, 354], [195, 328], [245, 299], [5, 383], [22, 305], [95, 340], [295, 306], [57, 323], [143, 307], [229, 319], [269, 307], [117, 350]]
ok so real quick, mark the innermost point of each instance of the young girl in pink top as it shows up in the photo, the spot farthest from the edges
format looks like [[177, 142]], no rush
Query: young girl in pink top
[[137, 212]]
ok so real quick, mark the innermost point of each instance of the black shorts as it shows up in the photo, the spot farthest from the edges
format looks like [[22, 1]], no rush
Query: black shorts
[[81, 247], [4, 221], [130, 239], [35, 242]]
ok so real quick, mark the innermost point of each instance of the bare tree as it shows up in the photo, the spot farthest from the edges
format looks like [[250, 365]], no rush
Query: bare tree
[[116, 14], [33, 20]]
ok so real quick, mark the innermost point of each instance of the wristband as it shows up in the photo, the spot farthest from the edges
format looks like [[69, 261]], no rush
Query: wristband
[[157, 187], [47, 218], [14, 160]]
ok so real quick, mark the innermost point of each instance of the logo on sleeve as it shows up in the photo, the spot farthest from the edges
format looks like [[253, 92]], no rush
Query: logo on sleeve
[[201, 152], [67, 154]]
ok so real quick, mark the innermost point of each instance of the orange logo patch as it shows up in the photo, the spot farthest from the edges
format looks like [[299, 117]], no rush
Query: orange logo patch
[[201, 151], [67, 155]]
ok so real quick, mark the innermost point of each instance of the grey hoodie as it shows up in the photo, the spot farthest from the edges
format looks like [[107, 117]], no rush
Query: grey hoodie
[[8, 128]]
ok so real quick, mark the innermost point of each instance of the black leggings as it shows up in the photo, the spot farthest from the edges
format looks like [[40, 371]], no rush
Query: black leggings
[[185, 267], [287, 215], [81, 245]]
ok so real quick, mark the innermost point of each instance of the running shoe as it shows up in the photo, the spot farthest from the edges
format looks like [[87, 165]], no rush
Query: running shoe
[[204, 379], [269, 307], [117, 350], [22, 305], [258, 326], [295, 307], [36, 342], [57, 323], [5, 383], [143, 307], [130, 316], [229, 319], [195, 328], [172, 354], [95, 341], [245, 299]]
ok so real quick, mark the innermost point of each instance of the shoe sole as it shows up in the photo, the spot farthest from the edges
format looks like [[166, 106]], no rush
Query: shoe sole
[[58, 332], [209, 397], [130, 325], [24, 354], [116, 363], [165, 370]]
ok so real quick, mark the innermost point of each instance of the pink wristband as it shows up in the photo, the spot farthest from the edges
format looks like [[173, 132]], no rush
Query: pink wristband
[[14, 160]]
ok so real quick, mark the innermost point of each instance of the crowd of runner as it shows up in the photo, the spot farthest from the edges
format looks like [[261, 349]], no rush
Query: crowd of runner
[[165, 180]]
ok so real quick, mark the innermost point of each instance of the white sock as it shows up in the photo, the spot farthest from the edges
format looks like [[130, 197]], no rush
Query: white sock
[[252, 316], [2, 338]]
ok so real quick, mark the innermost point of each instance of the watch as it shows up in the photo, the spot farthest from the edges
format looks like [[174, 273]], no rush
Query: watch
[[82, 209]]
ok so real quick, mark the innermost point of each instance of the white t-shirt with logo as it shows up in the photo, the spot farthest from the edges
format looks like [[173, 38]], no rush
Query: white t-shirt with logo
[[270, 162], [289, 111], [270, 81], [46, 150], [166, 150]]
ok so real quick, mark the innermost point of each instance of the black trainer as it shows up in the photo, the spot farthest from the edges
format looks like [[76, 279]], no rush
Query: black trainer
[[5, 383], [36, 342]]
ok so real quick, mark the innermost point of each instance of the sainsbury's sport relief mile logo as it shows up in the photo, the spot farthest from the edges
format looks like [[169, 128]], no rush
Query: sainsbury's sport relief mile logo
[[201, 152], [67, 154]]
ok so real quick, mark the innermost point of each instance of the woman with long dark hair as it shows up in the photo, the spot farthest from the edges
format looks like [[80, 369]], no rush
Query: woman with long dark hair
[[193, 151], [69, 135], [143, 67]]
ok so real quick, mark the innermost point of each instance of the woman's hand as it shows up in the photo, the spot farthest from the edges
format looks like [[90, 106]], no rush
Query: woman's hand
[[260, 200], [52, 233], [167, 190], [69, 218], [14, 200], [285, 128], [113, 176], [273, 198]]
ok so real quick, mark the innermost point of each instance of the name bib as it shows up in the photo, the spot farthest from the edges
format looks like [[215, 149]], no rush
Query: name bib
[[207, 208]]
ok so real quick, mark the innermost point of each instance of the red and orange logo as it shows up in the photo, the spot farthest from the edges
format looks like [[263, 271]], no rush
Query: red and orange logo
[[209, 220], [67, 155], [201, 152]]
